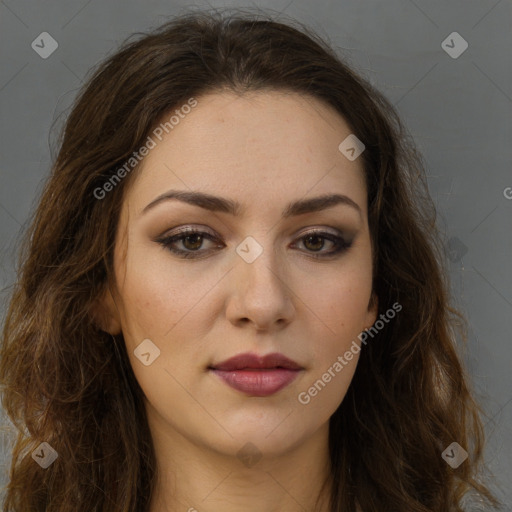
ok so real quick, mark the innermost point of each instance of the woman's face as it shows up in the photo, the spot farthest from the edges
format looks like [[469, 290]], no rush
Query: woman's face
[[253, 281]]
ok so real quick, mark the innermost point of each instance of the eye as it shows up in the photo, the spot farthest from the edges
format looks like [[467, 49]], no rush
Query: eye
[[192, 240], [314, 241]]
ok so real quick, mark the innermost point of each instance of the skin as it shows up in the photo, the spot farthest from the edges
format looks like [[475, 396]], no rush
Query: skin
[[264, 150]]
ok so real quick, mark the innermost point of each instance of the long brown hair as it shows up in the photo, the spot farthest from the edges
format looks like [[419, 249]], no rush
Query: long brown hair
[[68, 383]]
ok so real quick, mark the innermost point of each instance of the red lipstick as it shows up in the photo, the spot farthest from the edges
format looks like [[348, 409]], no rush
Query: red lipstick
[[257, 375]]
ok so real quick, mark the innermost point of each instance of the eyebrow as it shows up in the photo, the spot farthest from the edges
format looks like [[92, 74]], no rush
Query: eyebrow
[[221, 204]]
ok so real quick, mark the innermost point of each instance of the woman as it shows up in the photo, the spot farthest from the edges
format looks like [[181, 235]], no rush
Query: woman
[[232, 294]]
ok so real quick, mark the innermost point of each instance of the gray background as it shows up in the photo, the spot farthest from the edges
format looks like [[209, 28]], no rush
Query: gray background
[[458, 110]]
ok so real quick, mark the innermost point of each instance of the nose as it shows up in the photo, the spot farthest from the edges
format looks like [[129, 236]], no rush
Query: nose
[[261, 294]]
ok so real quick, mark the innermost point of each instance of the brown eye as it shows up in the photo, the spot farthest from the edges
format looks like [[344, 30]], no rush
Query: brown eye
[[309, 242], [192, 242], [314, 242]]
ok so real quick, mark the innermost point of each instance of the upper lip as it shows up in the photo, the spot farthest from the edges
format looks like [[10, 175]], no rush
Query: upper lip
[[249, 361]]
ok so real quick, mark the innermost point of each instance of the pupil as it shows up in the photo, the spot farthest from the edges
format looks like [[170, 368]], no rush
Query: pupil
[[194, 246], [313, 237]]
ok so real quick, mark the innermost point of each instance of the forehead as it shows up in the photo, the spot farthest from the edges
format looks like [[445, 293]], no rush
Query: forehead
[[268, 145]]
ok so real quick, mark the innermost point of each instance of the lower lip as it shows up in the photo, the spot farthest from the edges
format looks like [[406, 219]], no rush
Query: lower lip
[[258, 382]]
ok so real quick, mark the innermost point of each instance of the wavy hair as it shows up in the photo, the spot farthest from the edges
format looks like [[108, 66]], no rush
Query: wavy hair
[[68, 383]]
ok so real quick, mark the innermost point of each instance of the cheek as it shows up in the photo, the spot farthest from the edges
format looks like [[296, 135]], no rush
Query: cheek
[[171, 305], [342, 308], [341, 304], [148, 308], [342, 301], [157, 296], [155, 306]]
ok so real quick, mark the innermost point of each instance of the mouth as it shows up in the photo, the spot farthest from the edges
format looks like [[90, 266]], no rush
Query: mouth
[[257, 375]]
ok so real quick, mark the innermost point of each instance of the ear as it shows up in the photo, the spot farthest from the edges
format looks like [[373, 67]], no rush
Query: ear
[[373, 308], [105, 313]]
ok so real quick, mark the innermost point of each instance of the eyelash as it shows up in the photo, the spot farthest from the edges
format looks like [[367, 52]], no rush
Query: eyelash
[[340, 244]]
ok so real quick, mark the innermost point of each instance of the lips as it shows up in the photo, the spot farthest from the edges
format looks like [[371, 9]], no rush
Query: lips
[[252, 361], [257, 375]]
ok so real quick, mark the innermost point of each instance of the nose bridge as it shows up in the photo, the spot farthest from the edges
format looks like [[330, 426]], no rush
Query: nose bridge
[[259, 265], [261, 293]]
